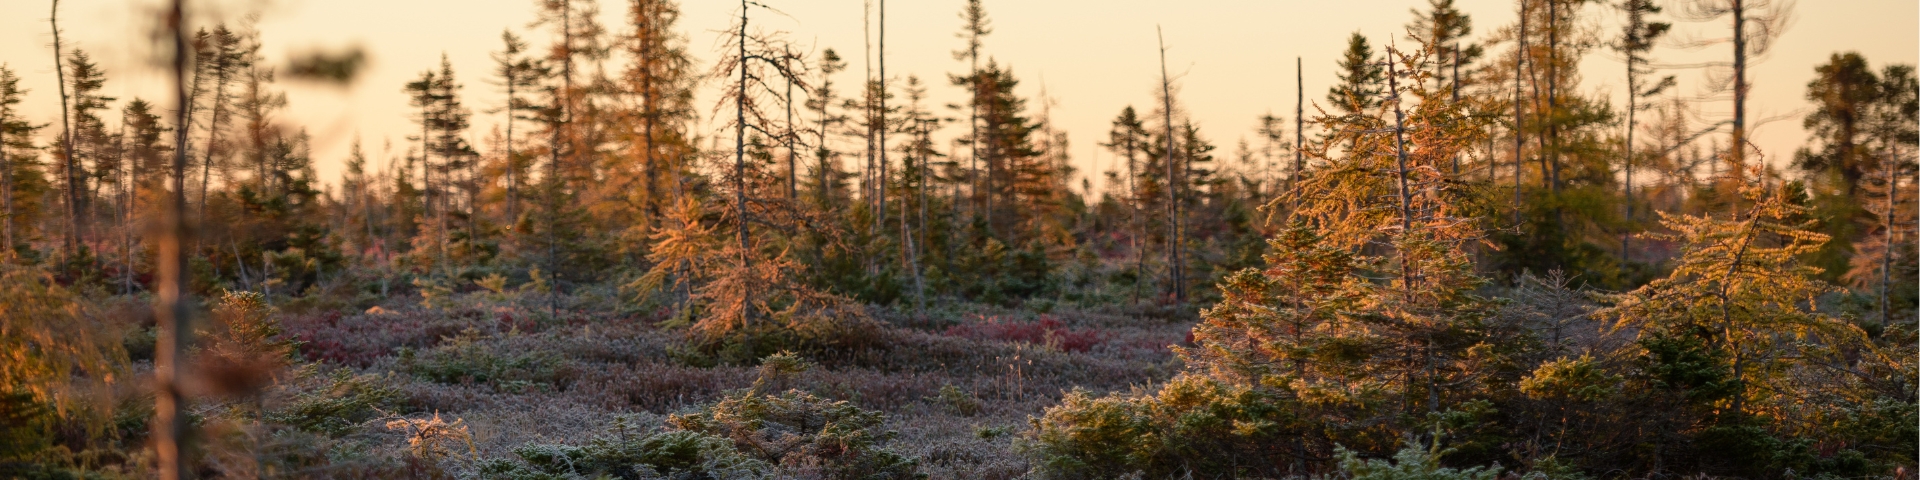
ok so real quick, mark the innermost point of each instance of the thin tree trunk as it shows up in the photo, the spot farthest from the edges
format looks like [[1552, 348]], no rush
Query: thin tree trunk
[[1739, 99], [1407, 275], [919, 284], [66, 138], [513, 180], [553, 167], [1519, 112], [651, 110], [6, 201], [127, 192], [1173, 204], [1553, 99], [740, 162], [793, 175], [1886, 254], [882, 114], [1456, 100], [1139, 227], [974, 182], [1633, 106], [1299, 122], [171, 308]]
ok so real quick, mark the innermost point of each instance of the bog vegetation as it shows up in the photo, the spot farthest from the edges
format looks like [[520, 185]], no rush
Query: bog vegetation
[[1459, 263]]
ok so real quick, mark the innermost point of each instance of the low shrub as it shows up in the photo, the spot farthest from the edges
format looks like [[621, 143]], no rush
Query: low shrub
[[622, 454], [1194, 425], [246, 348], [1413, 463], [1047, 331], [338, 404], [807, 436], [465, 359]]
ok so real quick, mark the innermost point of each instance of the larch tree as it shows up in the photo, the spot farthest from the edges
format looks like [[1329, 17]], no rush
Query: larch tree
[[1741, 288]]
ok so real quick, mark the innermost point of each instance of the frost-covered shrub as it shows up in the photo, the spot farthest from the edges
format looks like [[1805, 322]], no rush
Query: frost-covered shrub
[[1192, 425], [338, 404], [671, 455], [805, 435]]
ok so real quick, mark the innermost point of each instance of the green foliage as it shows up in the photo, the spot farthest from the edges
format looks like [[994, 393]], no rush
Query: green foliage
[[628, 455], [958, 401], [247, 324], [1578, 379], [1193, 425], [25, 424], [1411, 463], [465, 358], [800, 432], [341, 403], [1741, 287], [51, 337]]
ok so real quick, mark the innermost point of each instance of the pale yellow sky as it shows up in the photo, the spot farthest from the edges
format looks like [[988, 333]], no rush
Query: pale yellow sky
[[1092, 56]]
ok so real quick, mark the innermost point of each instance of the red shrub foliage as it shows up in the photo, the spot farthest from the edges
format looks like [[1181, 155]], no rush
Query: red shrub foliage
[[357, 339], [1047, 331]]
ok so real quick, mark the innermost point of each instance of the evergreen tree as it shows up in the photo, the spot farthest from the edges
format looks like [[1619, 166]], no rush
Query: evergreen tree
[[16, 159], [1128, 138], [828, 181], [229, 55], [1636, 40], [1843, 91], [975, 26], [148, 153], [1445, 28], [662, 75], [1360, 78], [89, 139]]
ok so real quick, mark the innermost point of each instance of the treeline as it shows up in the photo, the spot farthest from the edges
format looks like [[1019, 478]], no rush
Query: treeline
[[588, 166], [1354, 265]]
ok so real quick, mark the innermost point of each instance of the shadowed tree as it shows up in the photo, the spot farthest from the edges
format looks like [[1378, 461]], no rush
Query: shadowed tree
[[16, 153], [1636, 41]]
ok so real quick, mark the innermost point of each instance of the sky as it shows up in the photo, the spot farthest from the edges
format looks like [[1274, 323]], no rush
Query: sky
[[1233, 60]]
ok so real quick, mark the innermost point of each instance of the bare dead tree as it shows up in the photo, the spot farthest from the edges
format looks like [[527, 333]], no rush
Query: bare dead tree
[[72, 179], [1174, 258]]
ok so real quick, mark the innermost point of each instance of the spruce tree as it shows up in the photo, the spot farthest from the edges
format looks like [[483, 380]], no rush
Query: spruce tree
[[1360, 78], [16, 152], [975, 26], [1128, 138], [147, 150], [230, 56], [517, 73], [1636, 40], [1445, 28], [89, 139], [827, 178]]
